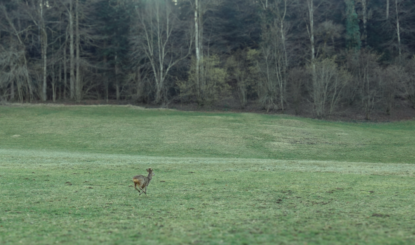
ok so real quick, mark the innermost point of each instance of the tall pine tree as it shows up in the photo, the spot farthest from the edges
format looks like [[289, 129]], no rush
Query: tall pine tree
[[352, 26]]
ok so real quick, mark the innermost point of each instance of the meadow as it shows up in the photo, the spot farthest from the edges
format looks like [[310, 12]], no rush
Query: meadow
[[220, 178]]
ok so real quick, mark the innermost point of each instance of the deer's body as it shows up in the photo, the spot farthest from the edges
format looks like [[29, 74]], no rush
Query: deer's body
[[142, 181]]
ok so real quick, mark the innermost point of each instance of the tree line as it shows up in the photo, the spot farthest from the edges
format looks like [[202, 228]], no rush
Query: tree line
[[319, 55]]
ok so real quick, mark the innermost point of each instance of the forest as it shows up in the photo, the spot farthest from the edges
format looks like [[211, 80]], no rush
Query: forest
[[298, 56]]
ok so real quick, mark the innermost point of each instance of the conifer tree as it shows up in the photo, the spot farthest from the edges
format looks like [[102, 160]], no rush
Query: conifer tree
[[352, 26]]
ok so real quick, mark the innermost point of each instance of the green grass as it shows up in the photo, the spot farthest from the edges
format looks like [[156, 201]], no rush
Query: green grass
[[133, 131], [221, 178]]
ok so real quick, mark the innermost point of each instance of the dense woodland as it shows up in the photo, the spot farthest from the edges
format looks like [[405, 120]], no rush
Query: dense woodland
[[323, 56]]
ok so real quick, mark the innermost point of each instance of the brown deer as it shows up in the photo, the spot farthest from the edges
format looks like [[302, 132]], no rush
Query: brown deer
[[143, 181]]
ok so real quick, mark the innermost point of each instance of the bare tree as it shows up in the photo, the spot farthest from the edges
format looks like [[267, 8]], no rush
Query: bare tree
[[387, 9], [264, 4], [44, 45], [37, 12], [156, 36], [328, 86], [200, 7], [311, 10], [198, 45], [70, 11], [241, 68], [398, 30], [79, 33], [272, 89], [13, 71], [16, 56], [409, 86], [78, 85], [364, 18], [365, 85], [296, 78], [215, 87], [393, 80], [310, 29], [328, 31]]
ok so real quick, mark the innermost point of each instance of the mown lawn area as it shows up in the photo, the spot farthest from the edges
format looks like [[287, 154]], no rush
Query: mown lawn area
[[220, 178]]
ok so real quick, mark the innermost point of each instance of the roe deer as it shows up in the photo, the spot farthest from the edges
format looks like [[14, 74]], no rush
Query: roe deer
[[143, 181]]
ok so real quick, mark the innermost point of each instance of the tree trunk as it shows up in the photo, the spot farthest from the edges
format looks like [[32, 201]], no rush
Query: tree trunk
[[28, 82], [61, 64], [197, 48], [53, 84], [60, 81], [161, 51], [12, 95], [44, 58], [71, 53], [310, 4], [20, 92], [367, 82], [105, 75], [387, 9], [266, 3], [117, 85], [44, 46], [139, 93], [311, 26], [23, 57], [12, 91], [200, 78], [78, 85], [398, 32], [285, 62], [157, 26], [65, 72], [364, 38]]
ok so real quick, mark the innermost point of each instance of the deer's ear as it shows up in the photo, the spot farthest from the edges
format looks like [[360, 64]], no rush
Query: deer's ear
[[148, 170]]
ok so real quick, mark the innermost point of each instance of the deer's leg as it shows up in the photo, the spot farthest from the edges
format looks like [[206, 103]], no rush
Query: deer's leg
[[135, 186]]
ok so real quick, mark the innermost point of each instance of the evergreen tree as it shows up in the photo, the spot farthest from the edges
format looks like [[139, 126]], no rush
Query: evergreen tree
[[115, 18], [352, 26]]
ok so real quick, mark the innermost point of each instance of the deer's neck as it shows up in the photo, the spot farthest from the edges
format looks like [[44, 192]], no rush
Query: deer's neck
[[150, 175]]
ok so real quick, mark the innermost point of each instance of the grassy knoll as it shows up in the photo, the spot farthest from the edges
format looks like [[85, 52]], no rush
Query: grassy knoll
[[129, 130], [65, 177]]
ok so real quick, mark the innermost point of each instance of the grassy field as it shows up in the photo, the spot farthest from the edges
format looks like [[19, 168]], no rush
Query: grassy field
[[221, 178]]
